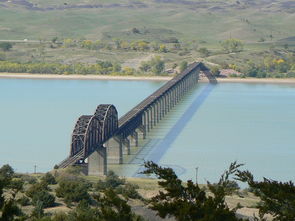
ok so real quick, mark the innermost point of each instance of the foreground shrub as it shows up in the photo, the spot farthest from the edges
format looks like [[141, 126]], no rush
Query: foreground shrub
[[48, 178], [24, 201], [112, 181], [73, 190], [129, 191], [37, 187], [47, 199], [190, 202], [277, 198]]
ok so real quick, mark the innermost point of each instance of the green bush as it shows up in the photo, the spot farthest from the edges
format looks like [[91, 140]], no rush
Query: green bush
[[35, 188], [5, 46], [232, 45], [182, 66], [129, 191], [291, 74], [29, 179], [204, 52], [48, 178], [47, 199], [24, 201], [2, 56], [113, 180], [73, 190]]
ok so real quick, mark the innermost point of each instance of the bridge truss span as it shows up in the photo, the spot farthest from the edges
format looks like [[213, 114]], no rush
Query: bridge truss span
[[90, 133], [103, 131]]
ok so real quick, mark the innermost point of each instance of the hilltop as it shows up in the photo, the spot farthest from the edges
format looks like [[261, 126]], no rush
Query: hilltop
[[209, 20]]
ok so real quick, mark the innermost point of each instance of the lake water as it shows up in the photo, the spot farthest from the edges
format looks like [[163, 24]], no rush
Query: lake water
[[211, 127]]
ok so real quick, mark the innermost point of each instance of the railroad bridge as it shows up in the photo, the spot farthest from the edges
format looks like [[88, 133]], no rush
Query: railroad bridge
[[101, 138]]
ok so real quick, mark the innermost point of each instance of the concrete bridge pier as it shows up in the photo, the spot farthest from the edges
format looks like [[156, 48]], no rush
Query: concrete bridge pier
[[141, 130], [114, 150], [97, 162], [148, 120], [152, 111], [134, 138], [126, 146]]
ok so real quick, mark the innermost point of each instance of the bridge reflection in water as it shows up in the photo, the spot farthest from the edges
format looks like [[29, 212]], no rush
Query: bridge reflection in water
[[102, 138]]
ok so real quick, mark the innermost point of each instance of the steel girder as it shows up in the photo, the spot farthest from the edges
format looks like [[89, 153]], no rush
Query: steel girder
[[91, 131]]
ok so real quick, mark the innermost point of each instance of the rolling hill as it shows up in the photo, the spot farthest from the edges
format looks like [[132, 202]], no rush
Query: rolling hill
[[203, 20]]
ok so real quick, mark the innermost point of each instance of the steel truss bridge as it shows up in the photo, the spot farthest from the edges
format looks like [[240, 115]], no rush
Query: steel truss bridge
[[102, 137]]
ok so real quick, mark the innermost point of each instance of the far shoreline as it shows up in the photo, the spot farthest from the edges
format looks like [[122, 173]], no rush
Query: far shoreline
[[138, 78]]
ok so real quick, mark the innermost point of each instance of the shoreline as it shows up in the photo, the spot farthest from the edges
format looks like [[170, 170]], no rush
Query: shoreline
[[83, 77], [139, 78], [257, 80]]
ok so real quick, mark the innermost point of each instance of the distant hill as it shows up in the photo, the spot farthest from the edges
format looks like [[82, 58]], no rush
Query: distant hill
[[202, 20]]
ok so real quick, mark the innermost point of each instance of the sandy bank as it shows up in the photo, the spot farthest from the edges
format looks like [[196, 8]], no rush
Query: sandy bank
[[258, 80], [139, 78], [83, 77]]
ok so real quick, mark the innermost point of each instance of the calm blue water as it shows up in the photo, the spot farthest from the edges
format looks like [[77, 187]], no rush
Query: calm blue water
[[211, 127], [251, 123], [37, 116]]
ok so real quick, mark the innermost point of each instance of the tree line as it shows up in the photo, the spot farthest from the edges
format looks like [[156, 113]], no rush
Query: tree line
[[272, 66], [155, 65]]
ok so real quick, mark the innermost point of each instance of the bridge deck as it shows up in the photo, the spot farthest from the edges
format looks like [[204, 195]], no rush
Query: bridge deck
[[138, 109]]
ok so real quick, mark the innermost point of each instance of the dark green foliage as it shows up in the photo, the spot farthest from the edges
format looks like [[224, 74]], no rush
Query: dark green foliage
[[103, 68], [145, 67], [35, 188], [182, 66], [119, 185], [38, 192], [73, 190], [10, 210], [135, 31], [60, 216], [24, 201], [204, 52], [74, 170], [47, 199], [5, 46], [48, 178], [113, 208], [232, 45], [278, 198], [190, 202], [291, 74], [83, 212], [109, 207], [6, 173], [171, 40], [29, 179], [2, 56], [156, 65], [38, 211], [8, 207], [113, 180], [128, 191]]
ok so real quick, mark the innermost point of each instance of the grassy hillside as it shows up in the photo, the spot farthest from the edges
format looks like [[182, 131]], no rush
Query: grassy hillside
[[265, 27], [211, 20]]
